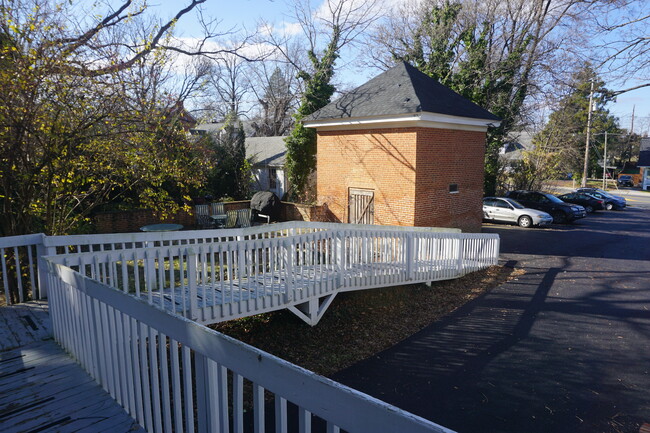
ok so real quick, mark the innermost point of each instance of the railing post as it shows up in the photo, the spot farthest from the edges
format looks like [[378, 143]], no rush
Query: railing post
[[410, 256], [340, 256], [42, 250], [241, 257], [459, 265], [191, 283], [207, 413], [289, 255]]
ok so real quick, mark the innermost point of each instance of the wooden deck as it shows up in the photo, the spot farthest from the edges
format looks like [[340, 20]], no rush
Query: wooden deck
[[44, 389]]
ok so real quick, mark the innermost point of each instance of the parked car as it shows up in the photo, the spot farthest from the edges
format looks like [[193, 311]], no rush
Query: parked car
[[587, 201], [625, 180], [508, 210], [560, 211], [611, 201]]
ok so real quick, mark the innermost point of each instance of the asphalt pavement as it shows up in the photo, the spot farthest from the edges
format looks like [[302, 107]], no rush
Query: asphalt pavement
[[564, 348]]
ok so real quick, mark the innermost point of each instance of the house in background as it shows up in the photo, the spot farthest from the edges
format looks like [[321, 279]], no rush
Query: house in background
[[266, 154], [517, 143], [215, 128], [402, 149]]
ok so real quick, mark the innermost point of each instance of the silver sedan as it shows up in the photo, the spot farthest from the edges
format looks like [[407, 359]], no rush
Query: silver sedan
[[511, 211]]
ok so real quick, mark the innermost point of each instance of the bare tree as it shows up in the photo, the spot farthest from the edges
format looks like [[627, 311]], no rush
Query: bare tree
[[275, 87], [621, 44], [89, 112], [325, 32]]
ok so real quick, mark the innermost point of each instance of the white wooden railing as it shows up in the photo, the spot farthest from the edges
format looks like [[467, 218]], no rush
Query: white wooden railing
[[24, 252], [216, 281], [19, 267], [174, 375], [111, 306]]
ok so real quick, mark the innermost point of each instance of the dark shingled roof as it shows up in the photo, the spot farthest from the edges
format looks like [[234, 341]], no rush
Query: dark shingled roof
[[401, 90], [644, 159]]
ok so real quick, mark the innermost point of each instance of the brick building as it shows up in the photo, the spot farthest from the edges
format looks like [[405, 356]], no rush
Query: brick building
[[402, 149]]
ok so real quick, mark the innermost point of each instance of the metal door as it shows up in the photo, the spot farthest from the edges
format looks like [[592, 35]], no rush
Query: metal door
[[361, 206]]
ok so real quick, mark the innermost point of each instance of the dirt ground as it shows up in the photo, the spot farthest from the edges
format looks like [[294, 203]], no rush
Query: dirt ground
[[360, 324]]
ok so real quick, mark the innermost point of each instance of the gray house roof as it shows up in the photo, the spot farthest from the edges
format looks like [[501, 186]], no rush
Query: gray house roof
[[644, 159], [262, 151], [401, 90], [215, 127], [266, 151], [517, 142]]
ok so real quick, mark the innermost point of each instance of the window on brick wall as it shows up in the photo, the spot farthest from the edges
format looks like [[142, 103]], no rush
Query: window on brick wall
[[453, 188]]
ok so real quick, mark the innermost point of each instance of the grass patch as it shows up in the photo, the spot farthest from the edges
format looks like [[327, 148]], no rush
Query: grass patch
[[362, 323]]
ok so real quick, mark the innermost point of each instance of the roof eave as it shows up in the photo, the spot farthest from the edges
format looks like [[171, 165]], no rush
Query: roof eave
[[421, 119]]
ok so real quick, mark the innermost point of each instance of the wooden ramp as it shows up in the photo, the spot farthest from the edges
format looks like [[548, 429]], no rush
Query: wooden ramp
[[44, 389]]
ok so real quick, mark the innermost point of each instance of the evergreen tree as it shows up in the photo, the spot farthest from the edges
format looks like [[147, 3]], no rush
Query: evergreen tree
[[565, 131], [301, 143], [487, 57], [230, 174]]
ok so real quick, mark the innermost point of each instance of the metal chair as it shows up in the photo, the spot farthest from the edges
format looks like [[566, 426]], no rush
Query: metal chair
[[231, 219], [217, 209], [244, 217], [202, 215], [218, 214]]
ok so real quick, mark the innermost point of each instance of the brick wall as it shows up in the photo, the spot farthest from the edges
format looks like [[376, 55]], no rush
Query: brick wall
[[379, 159], [410, 170], [447, 157], [131, 221]]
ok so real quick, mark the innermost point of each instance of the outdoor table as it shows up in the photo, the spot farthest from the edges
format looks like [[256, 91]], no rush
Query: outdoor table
[[219, 219], [161, 228]]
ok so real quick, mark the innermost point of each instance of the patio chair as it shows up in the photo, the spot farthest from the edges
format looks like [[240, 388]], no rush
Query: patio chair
[[231, 219], [218, 214], [244, 217], [202, 215], [217, 209]]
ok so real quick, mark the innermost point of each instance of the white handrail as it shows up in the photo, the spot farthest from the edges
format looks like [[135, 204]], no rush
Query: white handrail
[[170, 373], [214, 282]]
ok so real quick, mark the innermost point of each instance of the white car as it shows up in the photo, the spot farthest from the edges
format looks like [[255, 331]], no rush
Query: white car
[[511, 211]]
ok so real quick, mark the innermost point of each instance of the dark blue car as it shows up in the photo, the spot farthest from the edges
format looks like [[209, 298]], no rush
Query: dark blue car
[[611, 201]]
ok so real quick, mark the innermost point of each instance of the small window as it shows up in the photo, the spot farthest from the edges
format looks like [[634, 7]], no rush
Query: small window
[[453, 188]]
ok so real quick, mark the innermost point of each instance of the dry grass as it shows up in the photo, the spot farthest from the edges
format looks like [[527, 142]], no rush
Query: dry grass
[[363, 323]]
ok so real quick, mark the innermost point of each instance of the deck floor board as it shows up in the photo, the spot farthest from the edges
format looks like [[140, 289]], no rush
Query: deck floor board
[[44, 389]]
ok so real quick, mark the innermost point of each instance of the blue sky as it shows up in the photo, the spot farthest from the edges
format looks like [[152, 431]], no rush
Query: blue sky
[[247, 13]]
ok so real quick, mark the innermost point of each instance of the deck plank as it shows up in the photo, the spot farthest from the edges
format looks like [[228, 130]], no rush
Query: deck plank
[[23, 324], [53, 393]]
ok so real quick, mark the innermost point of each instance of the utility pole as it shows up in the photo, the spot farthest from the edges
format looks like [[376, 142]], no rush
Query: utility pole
[[586, 166], [605, 161]]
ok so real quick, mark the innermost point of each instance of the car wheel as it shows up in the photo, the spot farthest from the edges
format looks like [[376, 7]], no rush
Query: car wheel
[[609, 206], [559, 217], [525, 221], [589, 209]]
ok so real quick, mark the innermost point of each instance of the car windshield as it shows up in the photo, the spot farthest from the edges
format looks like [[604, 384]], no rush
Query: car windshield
[[553, 198], [514, 203]]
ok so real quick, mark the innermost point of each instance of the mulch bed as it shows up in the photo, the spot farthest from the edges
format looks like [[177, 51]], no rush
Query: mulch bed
[[360, 324]]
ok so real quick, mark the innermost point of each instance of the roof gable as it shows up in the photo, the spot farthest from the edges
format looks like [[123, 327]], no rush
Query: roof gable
[[398, 91]]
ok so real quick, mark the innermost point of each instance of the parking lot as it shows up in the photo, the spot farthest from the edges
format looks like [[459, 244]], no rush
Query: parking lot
[[564, 348]]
